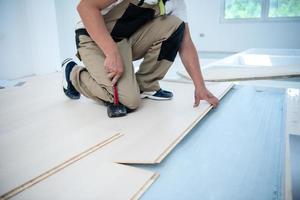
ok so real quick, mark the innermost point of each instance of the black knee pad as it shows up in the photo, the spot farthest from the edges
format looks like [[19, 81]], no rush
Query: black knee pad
[[170, 47]]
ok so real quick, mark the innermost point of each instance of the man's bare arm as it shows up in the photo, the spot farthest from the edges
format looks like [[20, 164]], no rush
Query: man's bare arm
[[190, 60], [90, 13]]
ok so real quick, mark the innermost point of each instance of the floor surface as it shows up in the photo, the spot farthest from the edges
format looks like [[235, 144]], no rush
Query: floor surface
[[222, 160]]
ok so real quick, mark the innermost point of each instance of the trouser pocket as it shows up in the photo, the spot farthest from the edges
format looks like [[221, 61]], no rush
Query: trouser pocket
[[78, 33]]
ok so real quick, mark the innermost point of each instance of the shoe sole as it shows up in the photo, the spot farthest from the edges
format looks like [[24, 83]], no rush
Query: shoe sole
[[65, 82], [64, 78]]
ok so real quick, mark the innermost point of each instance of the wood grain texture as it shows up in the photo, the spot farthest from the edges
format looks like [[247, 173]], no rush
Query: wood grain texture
[[92, 179], [158, 126], [56, 169], [149, 133], [40, 129]]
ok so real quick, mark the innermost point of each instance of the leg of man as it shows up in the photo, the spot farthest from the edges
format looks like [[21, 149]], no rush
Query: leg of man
[[93, 82], [158, 42]]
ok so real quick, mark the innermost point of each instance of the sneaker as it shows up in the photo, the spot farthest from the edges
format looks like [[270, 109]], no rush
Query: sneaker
[[157, 95], [69, 90]]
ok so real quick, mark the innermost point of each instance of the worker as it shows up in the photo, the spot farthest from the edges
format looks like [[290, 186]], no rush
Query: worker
[[114, 33]]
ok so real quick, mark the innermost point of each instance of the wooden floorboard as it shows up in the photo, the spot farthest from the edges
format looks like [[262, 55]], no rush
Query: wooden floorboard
[[41, 130], [158, 126], [92, 179]]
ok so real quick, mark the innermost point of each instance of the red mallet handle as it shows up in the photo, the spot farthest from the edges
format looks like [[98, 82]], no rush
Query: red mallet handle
[[116, 95]]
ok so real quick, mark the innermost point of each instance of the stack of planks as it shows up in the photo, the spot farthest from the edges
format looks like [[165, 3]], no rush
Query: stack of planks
[[253, 64]]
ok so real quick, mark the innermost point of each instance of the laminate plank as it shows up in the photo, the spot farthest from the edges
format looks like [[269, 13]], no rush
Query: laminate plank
[[92, 179], [45, 129], [41, 130], [152, 132]]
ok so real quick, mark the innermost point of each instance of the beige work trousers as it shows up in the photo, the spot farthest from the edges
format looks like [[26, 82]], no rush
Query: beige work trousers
[[92, 80]]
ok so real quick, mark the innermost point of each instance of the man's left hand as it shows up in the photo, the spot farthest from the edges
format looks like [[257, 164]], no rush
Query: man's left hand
[[205, 94]]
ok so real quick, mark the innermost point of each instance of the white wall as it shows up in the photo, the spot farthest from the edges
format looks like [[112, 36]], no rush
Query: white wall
[[28, 38], [44, 35], [35, 35], [15, 48], [205, 15], [66, 19]]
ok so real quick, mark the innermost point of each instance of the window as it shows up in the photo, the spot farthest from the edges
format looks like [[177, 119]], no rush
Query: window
[[242, 9], [284, 8], [261, 9]]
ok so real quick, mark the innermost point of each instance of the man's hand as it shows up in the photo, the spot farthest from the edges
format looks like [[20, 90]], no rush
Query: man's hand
[[90, 13], [114, 67], [204, 94], [190, 60]]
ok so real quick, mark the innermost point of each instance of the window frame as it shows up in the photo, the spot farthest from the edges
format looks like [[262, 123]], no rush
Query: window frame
[[264, 15]]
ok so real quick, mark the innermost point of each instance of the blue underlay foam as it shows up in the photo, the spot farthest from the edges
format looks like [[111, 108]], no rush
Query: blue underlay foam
[[234, 153]]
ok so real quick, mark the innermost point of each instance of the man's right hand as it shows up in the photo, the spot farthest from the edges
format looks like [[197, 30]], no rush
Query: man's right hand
[[90, 13], [114, 67]]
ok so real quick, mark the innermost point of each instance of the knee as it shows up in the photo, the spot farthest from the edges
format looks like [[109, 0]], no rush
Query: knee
[[131, 101]]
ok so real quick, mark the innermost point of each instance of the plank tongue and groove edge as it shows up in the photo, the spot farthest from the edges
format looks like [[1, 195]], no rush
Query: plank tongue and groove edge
[[57, 168], [92, 179], [153, 131]]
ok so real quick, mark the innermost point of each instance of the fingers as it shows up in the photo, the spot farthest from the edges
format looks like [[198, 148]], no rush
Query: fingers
[[115, 79], [110, 75], [197, 102], [213, 101], [114, 68], [114, 75]]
